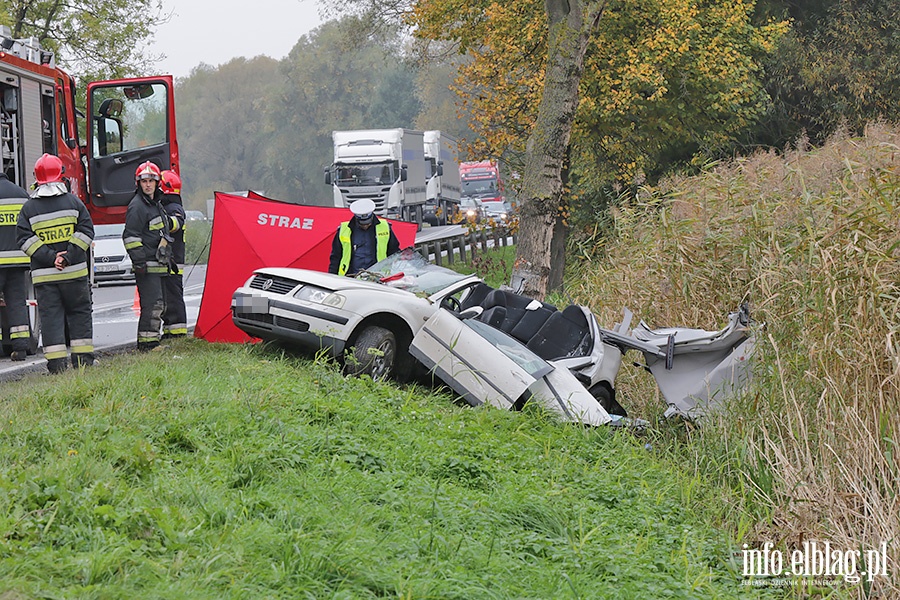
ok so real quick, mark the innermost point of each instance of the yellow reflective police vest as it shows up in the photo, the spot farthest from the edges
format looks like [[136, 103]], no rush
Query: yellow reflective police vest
[[382, 236]]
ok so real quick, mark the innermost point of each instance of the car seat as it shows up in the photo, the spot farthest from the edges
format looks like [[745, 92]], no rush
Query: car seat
[[565, 333]]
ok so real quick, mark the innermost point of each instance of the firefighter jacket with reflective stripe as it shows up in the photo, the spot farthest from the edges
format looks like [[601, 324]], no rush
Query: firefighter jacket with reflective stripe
[[49, 224], [175, 213], [350, 241], [144, 225], [12, 198]]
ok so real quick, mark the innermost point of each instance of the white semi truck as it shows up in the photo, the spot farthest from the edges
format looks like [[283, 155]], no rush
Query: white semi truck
[[386, 166], [442, 183]]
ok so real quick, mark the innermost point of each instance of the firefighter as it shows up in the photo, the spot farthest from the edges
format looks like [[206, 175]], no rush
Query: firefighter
[[174, 318], [13, 268], [148, 243], [55, 230], [362, 241]]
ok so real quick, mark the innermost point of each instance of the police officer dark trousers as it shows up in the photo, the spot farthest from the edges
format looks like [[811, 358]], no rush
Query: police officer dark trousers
[[13, 268], [146, 240], [55, 230], [174, 318]]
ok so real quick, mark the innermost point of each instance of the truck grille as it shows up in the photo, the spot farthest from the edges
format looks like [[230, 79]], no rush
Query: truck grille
[[279, 285], [380, 199]]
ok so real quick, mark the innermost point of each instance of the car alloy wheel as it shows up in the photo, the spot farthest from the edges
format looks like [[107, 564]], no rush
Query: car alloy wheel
[[374, 353]]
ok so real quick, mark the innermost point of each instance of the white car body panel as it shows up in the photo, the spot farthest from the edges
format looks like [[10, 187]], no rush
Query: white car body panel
[[462, 359]]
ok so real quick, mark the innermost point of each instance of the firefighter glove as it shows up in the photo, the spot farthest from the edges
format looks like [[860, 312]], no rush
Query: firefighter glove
[[173, 266], [164, 252], [140, 269]]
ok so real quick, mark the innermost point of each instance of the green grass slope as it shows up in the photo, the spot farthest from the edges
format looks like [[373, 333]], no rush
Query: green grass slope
[[225, 471]]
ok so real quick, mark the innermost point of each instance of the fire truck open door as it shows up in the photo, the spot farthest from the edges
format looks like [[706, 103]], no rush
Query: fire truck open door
[[130, 121]]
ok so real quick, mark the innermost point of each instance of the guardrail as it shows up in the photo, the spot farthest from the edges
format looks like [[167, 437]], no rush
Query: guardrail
[[459, 243]]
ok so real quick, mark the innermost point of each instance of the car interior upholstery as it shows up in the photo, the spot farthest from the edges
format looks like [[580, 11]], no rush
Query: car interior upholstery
[[546, 331]]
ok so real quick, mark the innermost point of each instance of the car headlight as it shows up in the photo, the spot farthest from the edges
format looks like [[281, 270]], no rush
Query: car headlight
[[311, 293], [470, 212]]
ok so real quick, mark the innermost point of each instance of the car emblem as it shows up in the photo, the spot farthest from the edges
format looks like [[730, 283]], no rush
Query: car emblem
[[104, 259], [267, 284]]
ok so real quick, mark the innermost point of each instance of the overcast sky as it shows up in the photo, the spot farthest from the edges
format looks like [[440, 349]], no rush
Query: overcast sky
[[215, 31]]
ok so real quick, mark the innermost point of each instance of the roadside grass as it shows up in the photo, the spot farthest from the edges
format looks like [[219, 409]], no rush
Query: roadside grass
[[238, 471]]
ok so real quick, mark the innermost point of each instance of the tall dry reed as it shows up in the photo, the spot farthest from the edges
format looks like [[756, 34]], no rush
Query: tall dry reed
[[811, 237]]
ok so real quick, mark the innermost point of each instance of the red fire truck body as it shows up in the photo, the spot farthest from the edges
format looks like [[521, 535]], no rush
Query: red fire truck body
[[128, 122]]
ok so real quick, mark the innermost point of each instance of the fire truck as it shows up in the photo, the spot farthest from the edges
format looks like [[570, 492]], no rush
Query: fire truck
[[126, 122]]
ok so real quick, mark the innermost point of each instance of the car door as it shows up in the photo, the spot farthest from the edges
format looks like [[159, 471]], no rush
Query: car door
[[561, 392], [480, 363]]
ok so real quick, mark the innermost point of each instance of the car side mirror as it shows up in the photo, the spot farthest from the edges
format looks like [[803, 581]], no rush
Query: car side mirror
[[440, 168], [403, 175], [327, 176]]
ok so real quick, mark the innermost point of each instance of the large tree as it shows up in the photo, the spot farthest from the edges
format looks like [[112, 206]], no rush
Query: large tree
[[91, 38], [541, 229], [563, 94]]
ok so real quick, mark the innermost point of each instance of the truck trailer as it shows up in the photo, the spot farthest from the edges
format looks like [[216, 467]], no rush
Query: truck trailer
[[442, 183], [386, 166]]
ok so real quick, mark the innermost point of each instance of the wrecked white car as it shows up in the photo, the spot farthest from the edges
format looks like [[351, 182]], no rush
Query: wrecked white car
[[488, 345]]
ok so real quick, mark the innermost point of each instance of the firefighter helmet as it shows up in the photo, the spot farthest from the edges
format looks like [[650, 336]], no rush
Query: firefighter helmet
[[147, 170], [170, 182], [48, 169]]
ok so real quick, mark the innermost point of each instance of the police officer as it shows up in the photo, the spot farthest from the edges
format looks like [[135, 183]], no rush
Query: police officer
[[174, 318], [55, 230], [13, 267], [362, 241], [147, 240]]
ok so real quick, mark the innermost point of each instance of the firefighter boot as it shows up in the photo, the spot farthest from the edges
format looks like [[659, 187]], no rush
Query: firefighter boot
[[18, 355], [83, 359], [147, 346], [57, 365]]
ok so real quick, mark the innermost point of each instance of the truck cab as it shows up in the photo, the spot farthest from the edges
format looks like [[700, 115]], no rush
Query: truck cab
[[386, 166]]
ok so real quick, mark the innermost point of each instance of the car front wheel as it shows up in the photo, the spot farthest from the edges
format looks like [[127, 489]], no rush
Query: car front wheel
[[374, 354]]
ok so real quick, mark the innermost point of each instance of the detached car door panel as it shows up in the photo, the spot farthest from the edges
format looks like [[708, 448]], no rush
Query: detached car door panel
[[480, 363]]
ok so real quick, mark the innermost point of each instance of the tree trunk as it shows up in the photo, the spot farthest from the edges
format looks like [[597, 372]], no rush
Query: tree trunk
[[570, 26]]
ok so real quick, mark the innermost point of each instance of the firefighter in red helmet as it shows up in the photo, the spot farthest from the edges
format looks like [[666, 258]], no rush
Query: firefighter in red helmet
[[147, 240], [56, 231], [174, 318]]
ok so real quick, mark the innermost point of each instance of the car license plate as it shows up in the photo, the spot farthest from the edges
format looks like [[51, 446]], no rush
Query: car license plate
[[106, 268]]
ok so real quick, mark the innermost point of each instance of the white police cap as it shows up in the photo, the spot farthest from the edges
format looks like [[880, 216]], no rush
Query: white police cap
[[362, 208]]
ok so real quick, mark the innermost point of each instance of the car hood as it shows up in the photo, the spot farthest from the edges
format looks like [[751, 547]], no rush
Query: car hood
[[109, 246], [338, 283]]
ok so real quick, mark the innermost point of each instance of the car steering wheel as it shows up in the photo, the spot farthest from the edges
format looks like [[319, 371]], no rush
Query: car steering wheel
[[452, 303]]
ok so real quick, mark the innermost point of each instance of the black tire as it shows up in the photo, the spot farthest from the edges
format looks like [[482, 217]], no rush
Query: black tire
[[605, 397], [374, 353]]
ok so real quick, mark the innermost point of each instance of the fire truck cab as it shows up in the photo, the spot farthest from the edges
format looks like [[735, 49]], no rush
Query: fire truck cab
[[127, 122]]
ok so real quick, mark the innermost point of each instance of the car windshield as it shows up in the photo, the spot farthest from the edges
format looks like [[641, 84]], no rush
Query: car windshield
[[409, 270], [108, 232]]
